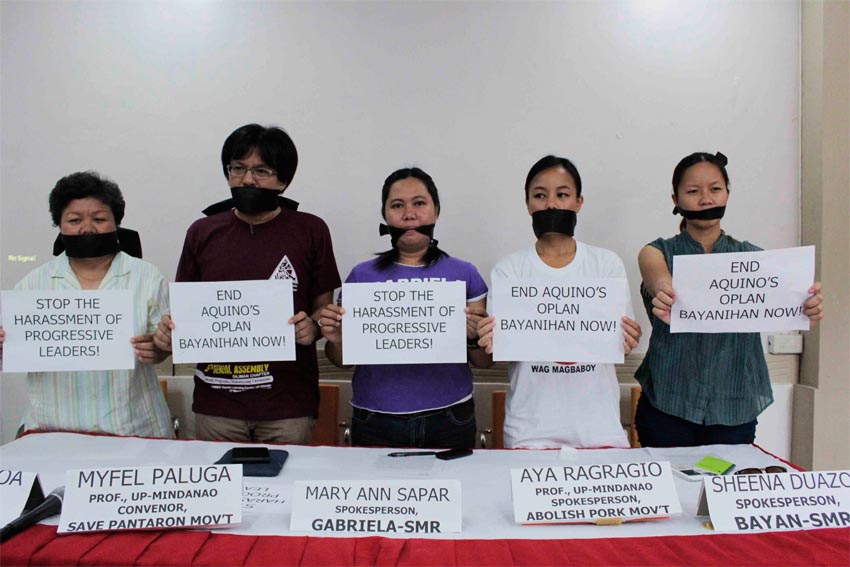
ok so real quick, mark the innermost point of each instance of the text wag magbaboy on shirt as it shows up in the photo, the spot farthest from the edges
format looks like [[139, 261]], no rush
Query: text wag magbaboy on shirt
[[237, 321], [553, 319], [49, 331], [742, 292]]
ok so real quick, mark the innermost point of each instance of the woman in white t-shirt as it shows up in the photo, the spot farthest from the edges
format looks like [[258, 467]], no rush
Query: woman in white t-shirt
[[555, 404]]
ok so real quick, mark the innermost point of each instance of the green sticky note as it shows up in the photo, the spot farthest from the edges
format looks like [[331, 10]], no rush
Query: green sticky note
[[714, 465]]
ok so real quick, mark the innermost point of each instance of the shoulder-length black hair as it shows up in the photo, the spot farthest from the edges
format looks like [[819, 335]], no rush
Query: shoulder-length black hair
[[433, 254]]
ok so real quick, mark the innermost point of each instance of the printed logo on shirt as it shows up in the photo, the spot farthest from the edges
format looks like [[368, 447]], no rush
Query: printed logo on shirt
[[286, 271], [562, 368], [236, 378], [418, 280]]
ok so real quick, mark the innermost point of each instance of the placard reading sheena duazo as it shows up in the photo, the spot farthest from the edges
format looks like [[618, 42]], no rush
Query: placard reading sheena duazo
[[404, 322], [742, 292], [604, 493], [379, 507], [49, 331], [151, 498], [548, 319], [777, 501], [240, 321]]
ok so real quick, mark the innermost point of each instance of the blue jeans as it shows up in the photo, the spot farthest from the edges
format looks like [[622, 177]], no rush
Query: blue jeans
[[448, 428], [658, 429]]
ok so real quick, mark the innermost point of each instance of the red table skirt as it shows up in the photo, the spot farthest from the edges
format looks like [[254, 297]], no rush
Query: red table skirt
[[40, 545]]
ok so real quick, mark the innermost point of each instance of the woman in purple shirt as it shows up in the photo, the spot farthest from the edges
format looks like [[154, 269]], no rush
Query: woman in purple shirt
[[412, 405]]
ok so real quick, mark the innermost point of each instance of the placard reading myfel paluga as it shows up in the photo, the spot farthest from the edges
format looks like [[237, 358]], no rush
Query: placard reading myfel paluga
[[404, 323], [777, 501], [50, 331], [151, 498], [742, 292], [595, 494], [547, 319], [238, 321]]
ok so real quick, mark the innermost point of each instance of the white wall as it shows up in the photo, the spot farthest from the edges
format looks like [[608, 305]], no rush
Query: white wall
[[473, 92]]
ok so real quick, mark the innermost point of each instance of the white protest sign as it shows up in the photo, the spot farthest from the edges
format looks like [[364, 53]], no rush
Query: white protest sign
[[546, 319], [49, 331], [404, 323], [777, 501], [151, 498], [18, 491], [742, 292], [604, 493], [240, 321], [384, 506]]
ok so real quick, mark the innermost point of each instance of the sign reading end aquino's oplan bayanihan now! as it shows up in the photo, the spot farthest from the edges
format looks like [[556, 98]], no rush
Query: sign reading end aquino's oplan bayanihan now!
[[742, 292]]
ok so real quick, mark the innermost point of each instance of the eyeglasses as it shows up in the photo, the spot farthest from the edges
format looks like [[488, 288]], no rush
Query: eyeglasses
[[239, 171], [773, 469]]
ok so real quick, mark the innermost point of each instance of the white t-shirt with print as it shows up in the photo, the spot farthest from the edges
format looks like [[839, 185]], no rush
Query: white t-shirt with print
[[555, 404]]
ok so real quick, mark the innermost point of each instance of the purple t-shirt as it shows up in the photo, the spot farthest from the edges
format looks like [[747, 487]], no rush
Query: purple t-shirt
[[409, 388]]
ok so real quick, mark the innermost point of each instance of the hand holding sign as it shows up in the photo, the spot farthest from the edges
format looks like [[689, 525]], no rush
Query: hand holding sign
[[813, 307], [330, 322], [305, 328], [146, 351]]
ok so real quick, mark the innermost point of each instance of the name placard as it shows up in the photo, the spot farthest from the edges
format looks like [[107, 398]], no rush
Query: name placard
[[595, 494], [239, 321], [546, 319], [742, 292], [50, 331], [19, 491], [777, 502], [151, 498], [380, 507], [404, 322]]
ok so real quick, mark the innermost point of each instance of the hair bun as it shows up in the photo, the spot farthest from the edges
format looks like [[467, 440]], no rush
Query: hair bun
[[722, 159]]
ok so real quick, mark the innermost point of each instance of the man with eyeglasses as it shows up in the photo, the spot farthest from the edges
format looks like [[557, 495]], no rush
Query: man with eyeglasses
[[258, 234]]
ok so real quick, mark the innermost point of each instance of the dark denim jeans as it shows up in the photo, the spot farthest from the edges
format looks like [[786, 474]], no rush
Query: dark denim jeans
[[447, 428], [658, 429]]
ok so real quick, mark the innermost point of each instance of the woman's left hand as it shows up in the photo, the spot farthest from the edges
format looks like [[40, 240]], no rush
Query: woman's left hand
[[814, 304], [146, 352], [306, 330], [474, 313], [631, 334]]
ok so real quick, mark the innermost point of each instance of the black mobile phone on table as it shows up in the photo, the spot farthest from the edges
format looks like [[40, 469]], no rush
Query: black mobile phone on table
[[250, 455], [453, 454]]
